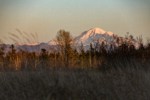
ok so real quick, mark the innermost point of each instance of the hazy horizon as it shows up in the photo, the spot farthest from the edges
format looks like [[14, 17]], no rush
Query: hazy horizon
[[46, 17]]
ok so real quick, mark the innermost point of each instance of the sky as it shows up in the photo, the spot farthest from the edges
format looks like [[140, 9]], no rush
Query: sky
[[47, 17]]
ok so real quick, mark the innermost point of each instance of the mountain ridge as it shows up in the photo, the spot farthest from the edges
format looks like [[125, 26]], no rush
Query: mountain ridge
[[91, 36], [94, 35]]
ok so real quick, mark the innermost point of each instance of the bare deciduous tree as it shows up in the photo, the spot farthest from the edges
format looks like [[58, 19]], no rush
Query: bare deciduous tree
[[64, 40]]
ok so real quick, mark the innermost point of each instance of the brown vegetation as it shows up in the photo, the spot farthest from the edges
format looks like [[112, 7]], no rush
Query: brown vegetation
[[96, 74], [67, 56]]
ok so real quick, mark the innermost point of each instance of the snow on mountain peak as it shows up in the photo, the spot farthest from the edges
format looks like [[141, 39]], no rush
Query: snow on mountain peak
[[92, 35], [110, 33], [97, 30]]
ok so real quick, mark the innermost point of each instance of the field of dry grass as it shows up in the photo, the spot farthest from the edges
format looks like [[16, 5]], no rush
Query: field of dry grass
[[122, 74], [65, 84]]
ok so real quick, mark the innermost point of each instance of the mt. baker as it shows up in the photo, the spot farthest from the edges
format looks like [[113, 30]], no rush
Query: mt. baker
[[94, 35]]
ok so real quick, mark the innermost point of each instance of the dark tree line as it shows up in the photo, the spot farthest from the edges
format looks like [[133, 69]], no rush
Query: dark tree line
[[67, 56]]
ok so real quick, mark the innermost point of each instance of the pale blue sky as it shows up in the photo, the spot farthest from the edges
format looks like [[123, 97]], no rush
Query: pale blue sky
[[46, 17]]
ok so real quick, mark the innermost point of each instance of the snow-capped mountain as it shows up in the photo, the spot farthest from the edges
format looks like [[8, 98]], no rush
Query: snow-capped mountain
[[94, 35], [97, 35]]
